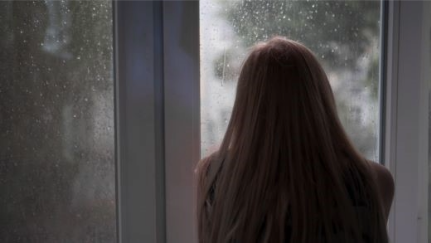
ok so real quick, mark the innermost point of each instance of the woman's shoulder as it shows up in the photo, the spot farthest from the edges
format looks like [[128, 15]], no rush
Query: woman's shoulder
[[204, 164], [206, 172], [208, 168], [385, 183]]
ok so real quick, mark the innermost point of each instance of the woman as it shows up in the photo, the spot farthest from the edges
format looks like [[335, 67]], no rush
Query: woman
[[286, 170]]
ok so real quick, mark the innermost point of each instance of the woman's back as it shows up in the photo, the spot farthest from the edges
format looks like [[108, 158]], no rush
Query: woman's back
[[360, 205], [286, 170]]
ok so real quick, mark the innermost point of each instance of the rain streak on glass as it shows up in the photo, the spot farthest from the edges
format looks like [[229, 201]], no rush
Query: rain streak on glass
[[57, 174], [343, 34]]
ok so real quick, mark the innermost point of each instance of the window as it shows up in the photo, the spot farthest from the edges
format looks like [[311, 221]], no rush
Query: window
[[345, 36], [57, 170]]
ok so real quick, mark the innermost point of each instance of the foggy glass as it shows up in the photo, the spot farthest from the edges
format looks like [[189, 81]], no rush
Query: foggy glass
[[57, 171], [344, 35]]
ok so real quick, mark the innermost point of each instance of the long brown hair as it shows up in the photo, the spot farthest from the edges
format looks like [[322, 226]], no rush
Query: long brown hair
[[286, 170]]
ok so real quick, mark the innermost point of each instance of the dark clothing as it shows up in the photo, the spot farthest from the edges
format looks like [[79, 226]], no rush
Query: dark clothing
[[360, 205]]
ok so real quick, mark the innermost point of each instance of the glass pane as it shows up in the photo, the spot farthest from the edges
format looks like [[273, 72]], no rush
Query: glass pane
[[57, 173], [343, 34]]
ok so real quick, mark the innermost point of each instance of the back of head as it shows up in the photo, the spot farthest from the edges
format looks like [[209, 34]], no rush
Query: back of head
[[287, 159]]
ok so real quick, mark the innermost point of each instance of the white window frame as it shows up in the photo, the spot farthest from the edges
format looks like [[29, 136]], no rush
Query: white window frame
[[158, 117], [407, 62], [139, 77]]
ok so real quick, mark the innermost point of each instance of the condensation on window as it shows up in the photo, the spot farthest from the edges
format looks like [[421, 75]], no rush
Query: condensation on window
[[57, 170], [343, 34]]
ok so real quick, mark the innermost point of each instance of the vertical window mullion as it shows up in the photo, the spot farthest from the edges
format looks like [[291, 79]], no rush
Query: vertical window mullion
[[406, 146], [139, 190], [390, 107], [182, 118]]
